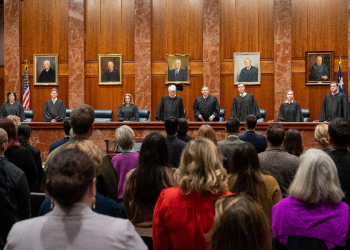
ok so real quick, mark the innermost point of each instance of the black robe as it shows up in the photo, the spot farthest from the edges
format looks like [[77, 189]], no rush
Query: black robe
[[249, 75], [243, 106], [55, 111], [47, 76], [290, 112], [318, 71], [337, 106], [15, 108], [109, 76], [128, 113], [170, 107], [206, 108]]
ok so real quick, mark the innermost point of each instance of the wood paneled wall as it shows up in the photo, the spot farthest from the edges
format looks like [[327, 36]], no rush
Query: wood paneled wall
[[245, 26]]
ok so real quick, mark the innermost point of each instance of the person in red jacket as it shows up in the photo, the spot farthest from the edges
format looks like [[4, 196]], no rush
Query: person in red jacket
[[184, 214]]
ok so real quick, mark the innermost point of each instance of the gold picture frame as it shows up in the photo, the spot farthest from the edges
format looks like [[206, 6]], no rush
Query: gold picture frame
[[110, 69], [45, 69], [180, 76]]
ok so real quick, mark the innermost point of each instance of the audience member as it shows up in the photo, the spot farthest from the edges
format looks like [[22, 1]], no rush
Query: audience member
[[19, 193], [144, 184], [207, 131], [174, 144], [248, 178], [18, 155], [313, 216], [228, 145], [71, 182], [339, 139], [182, 131], [321, 136], [24, 132], [184, 214], [82, 121], [293, 143], [247, 222], [16, 120], [103, 205], [125, 161], [7, 211], [66, 128], [276, 161], [258, 141]]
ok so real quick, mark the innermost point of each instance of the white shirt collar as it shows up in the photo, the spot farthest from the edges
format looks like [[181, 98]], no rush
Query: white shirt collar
[[54, 100], [174, 96], [244, 94], [248, 68], [288, 102], [335, 93]]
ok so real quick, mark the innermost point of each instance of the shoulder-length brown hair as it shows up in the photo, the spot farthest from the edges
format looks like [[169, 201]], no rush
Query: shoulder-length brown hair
[[207, 131], [201, 168], [131, 99]]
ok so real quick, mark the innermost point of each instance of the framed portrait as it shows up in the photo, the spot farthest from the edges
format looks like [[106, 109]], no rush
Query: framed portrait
[[247, 68], [45, 69], [319, 67], [177, 69], [110, 69]]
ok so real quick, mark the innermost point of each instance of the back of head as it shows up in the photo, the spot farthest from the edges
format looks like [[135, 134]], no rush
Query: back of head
[[316, 178], [124, 137], [16, 120], [207, 131], [148, 180], [250, 121], [183, 126], [9, 127], [91, 149], [339, 132], [321, 134], [171, 125], [293, 143], [275, 134], [82, 117], [24, 131], [66, 126], [201, 168], [246, 219], [3, 136], [232, 125], [69, 176]]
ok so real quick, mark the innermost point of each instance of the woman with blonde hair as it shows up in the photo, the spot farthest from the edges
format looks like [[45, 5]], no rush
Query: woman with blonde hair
[[128, 111], [321, 136], [184, 214], [290, 110], [247, 222], [313, 216]]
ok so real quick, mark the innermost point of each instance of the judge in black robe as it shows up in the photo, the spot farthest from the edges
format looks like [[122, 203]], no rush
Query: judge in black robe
[[206, 106], [319, 71], [111, 76], [54, 109], [12, 107], [47, 75], [335, 105], [170, 105], [244, 104], [128, 113], [290, 112], [249, 73]]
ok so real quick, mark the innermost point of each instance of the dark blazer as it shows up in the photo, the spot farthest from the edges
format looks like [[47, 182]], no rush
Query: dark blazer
[[181, 76], [227, 147], [175, 149], [258, 141], [185, 138], [341, 158], [58, 143]]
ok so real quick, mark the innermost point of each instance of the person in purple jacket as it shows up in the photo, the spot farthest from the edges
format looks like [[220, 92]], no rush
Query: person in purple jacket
[[127, 160]]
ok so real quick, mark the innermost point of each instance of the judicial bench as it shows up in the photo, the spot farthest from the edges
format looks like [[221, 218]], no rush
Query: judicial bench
[[44, 133]]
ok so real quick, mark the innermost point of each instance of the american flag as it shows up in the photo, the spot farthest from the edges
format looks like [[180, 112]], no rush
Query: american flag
[[26, 93]]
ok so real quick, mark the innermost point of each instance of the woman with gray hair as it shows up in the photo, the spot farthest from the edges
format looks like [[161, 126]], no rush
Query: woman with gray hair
[[313, 216], [127, 160]]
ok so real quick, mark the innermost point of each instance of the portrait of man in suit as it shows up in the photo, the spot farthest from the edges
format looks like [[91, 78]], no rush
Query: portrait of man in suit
[[178, 74], [177, 69], [110, 69]]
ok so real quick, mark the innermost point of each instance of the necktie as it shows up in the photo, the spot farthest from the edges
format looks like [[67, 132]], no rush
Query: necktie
[[54, 101], [177, 71]]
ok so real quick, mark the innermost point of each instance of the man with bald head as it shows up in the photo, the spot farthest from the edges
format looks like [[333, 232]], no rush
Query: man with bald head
[[111, 75], [17, 182], [170, 106]]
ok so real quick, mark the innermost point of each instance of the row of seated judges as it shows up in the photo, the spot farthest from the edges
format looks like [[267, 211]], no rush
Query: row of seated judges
[[205, 107], [245, 192]]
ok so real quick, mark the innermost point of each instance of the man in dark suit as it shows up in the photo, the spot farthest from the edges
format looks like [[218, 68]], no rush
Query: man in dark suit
[[177, 74], [48, 74], [276, 161], [249, 73], [339, 139], [66, 128], [258, 141], [111, 75], [175, 145], [228, 145]]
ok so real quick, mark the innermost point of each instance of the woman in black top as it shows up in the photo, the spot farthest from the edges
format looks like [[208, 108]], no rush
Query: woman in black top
[[290, 110], [12, 107], [128, 111]]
